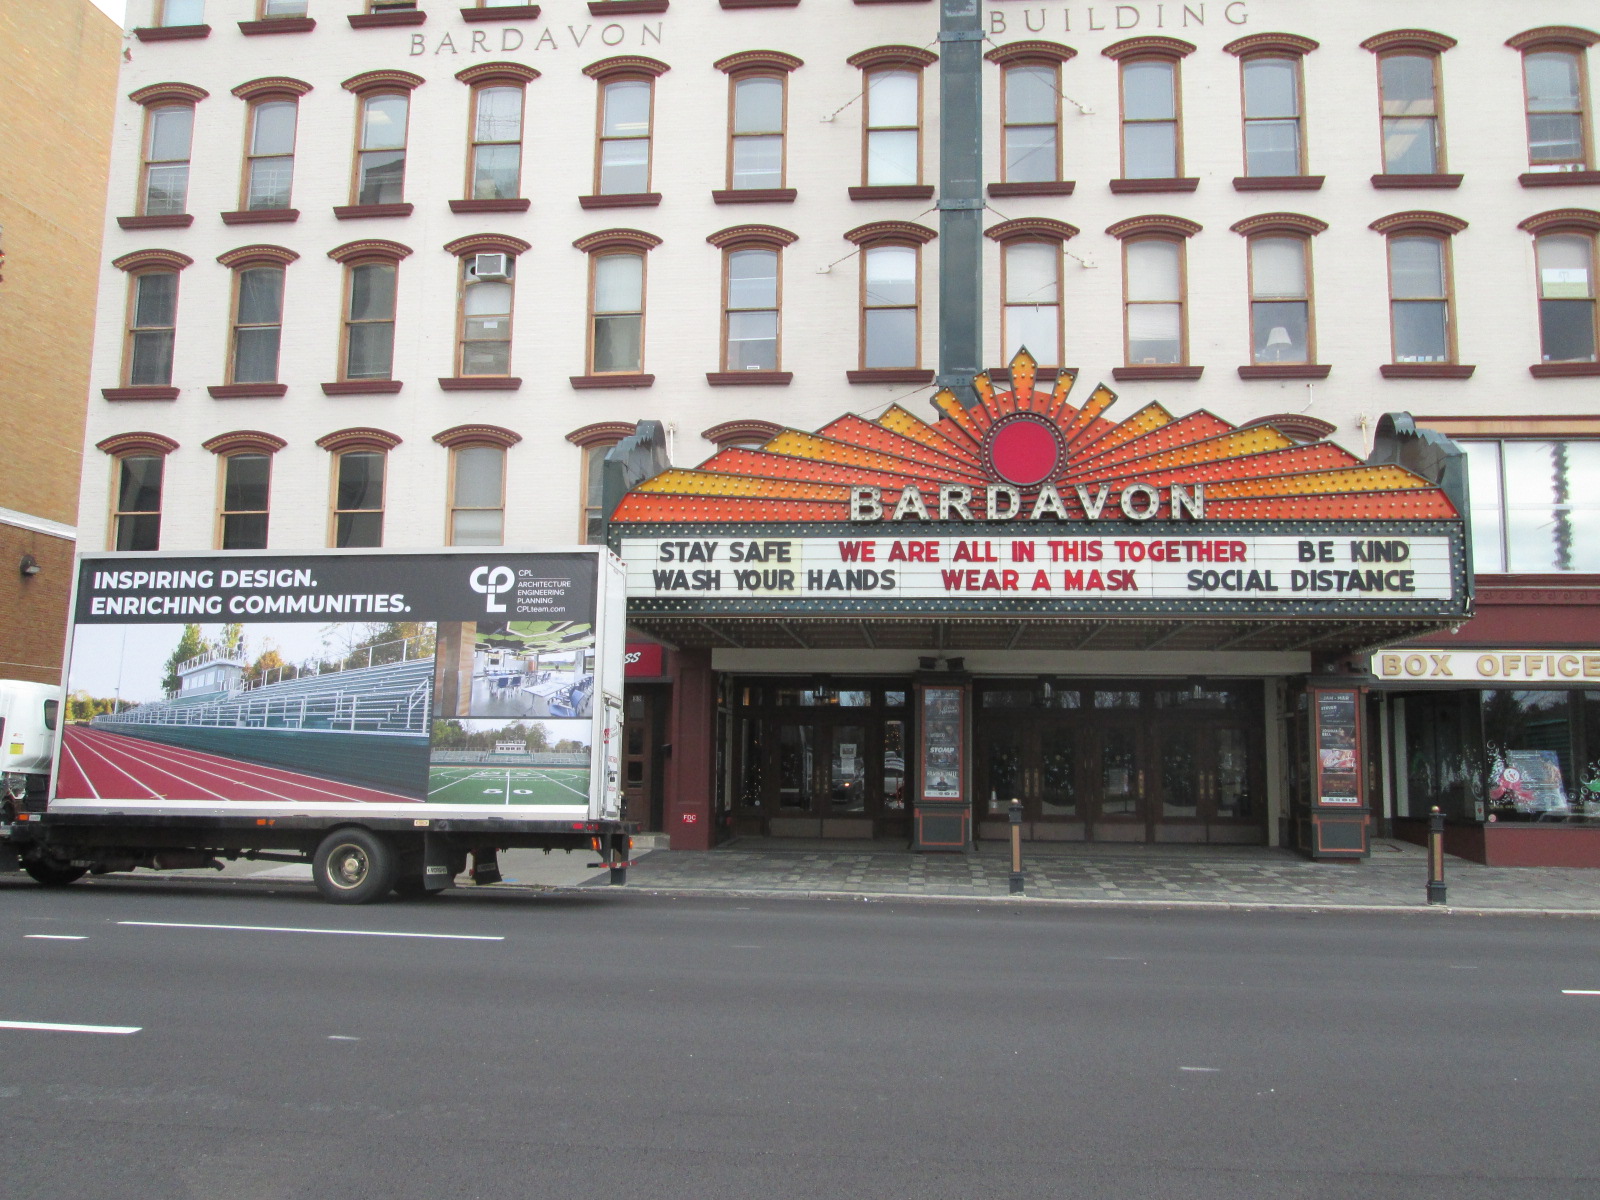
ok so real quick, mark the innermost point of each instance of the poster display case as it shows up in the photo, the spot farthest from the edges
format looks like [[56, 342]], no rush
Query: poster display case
[[943, 807], [1339, 816]]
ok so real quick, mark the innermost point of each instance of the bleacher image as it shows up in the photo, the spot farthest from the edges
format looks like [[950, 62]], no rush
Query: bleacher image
[[366, 726]]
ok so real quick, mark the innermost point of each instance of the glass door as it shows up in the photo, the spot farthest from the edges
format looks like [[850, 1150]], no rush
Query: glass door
[[1114, 802]]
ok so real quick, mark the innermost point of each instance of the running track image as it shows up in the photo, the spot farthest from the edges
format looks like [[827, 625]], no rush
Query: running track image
[[99, 765]]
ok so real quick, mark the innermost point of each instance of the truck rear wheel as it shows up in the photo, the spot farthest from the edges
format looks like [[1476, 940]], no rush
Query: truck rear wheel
[[353, 866], [54, 873]]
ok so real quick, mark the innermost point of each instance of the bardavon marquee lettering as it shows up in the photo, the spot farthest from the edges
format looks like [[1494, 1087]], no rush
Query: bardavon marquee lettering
[[1025, 500]]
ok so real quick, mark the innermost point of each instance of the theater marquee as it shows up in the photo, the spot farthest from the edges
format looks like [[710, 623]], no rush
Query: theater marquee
[[1026, 505]]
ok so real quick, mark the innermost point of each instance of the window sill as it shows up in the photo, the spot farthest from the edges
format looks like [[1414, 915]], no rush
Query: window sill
[[479, 383], [1122, 187], [277, 25], [1389, 182], [749, 378], [171, 33], [261, 216], [890, 375], [140, 393], [381, 20], [1157, 371], [1055, 187], [1563, 370], [509, 12], [585, 383], [754, 196], [362, 387], [1559, 178], [351, 212], [1278, 183], [1285, 371], [622, 200], [166, 221], [760, 3], [891, 1], [1426, 371], [606, 8], [898, 191], [246, 391], [514, 204]]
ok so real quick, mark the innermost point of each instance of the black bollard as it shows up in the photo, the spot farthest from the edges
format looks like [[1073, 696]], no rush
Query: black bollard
[[1436, 857], [1016, 847]]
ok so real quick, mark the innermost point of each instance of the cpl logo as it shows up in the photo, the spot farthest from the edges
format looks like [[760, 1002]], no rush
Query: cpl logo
[[492, 582]]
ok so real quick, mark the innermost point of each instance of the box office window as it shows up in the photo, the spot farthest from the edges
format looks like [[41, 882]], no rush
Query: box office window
[[1535, 505], [1503, 755]]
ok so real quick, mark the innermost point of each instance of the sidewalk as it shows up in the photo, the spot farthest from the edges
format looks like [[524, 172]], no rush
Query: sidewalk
[[1168, 875]]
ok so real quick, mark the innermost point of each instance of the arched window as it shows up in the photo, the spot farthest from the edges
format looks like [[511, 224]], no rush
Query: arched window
[[1555, 74], [366, 345], [360, 469], [622, 156], [758, 89], [477, 484], [891, 122], [1030, 287], [1152, 114], [271, 128], [1031, 151], [616, 324], [1155, 290], [1412, 116], [383, 108], [138, 466], [166, 146], [752, 277], [494, 156], [891, 307], [152, 325], [595, 441], [244, 462], [484, 309], [1421, 295]]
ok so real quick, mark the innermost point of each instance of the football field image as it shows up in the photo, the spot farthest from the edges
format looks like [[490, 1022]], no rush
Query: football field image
[[508, 785]]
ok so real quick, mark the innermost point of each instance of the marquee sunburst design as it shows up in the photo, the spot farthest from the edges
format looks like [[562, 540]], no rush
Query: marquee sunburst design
[[1030, 437]]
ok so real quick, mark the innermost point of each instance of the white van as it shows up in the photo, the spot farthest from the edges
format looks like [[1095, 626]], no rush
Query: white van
[[29, 715]]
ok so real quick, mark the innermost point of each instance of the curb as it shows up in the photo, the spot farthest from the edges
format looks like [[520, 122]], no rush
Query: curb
[[939, 898]]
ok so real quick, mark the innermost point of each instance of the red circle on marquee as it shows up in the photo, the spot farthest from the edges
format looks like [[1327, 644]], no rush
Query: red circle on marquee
[[1024, 450]]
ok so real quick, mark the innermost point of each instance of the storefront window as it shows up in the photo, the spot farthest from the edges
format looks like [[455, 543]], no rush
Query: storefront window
[[1535, 505], [1200, 698], [1444, 755], [1009, 698], [1529, 741]]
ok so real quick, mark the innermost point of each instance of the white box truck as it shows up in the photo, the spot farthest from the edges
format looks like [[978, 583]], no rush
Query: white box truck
[[384, 715]]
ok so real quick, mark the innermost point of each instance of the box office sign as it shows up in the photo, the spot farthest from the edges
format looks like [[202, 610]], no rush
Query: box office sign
[[1231, 568], [1520, 667]]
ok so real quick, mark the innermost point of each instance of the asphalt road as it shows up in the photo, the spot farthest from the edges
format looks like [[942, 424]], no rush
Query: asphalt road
[[632, 1045]]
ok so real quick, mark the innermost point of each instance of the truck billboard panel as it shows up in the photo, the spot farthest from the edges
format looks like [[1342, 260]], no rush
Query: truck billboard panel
[[464, 683]]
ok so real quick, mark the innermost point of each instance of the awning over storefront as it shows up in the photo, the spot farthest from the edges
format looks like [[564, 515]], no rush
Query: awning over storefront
[[1026, 523]]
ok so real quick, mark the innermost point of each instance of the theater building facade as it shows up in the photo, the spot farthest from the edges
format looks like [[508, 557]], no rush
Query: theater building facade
[[1177, 418]]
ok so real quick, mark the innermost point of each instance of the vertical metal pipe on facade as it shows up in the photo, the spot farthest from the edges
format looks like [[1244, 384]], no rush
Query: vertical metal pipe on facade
[[960, 196]]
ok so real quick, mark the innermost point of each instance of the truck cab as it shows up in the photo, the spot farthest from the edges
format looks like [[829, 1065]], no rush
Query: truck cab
[[29, 716]]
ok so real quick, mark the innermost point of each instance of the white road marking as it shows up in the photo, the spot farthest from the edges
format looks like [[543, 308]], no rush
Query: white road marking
[[340, 1037], [50, 1027], [1579, 992], [449, 937], [57, 937], [1208, 1070]]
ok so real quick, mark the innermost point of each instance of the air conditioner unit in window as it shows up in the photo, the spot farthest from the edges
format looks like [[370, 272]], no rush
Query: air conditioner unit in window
[[491, 266]]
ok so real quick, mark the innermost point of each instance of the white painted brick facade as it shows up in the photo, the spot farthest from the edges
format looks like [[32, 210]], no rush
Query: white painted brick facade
[[1483, 106]]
